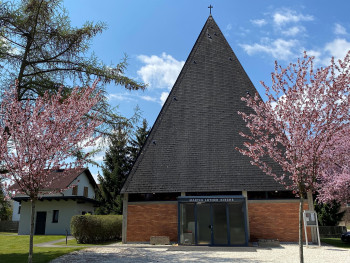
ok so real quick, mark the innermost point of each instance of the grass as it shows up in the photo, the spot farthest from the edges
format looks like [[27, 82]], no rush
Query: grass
[[14, 248], [335, 242]]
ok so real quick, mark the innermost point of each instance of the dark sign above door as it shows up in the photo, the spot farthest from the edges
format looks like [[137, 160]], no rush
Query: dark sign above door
[[211, 199]]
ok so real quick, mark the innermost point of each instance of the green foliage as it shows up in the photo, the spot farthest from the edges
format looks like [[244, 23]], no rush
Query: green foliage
[[117, 164], [139, 140], [121, 154], [5, 207], [328, 214], [96, 228], [40, 49]]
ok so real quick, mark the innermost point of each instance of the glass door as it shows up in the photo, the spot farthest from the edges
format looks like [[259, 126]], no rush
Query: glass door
[[204, 226], [237, 223], [219, 224]]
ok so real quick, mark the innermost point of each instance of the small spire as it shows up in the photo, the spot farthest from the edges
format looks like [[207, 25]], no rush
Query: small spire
[[210, 7]]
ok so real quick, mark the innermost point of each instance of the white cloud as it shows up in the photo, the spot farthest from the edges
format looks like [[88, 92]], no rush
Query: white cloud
[[159, 72], [317, 54], [280, 49], [148, 98], [337, 48], [288, 16], [228, 27], [100, 143], [121, 97], [293, 31], [339, 30], [163, 97], [258, 22], [131, 97]]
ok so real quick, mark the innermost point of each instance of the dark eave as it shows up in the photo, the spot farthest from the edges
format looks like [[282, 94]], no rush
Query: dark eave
[[58, 198]]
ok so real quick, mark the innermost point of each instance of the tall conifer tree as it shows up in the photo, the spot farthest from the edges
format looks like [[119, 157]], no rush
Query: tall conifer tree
[[138, 141], [120, 156], [42, 51], [117, 164]]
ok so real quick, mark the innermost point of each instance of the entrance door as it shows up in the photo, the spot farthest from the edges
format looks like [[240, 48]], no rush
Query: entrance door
[[219, 224], [204, 225], [212, 221], [40, 223], [212, 224]]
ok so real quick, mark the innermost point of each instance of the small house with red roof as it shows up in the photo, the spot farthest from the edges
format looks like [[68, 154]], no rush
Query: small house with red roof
[[55, 208]]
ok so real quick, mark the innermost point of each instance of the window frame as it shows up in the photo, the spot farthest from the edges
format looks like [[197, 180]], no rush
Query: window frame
[[55, 216]]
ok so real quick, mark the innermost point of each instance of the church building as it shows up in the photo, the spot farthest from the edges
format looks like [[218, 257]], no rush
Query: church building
[[189, 182]]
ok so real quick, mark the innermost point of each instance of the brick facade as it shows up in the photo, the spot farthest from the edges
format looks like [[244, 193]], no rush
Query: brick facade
[[146, 220], [267, 220], [275, 221]]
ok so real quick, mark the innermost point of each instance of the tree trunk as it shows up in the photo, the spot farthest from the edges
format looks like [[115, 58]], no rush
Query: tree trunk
[[30, 257], [301, 253]]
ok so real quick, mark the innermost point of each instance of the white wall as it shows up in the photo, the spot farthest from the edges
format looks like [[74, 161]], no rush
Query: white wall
[[67, 209], [81, 181]]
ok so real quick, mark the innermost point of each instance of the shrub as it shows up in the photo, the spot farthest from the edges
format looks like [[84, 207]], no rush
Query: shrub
[[96, 228], [329, 214]]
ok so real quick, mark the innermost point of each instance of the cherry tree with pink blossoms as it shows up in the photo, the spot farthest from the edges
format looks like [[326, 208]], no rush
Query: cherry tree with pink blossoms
[[302, 126], [38, 136]]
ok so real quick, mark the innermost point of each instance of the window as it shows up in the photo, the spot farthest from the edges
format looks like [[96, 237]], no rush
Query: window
[[55, 216], [86, 191], [75, 190]]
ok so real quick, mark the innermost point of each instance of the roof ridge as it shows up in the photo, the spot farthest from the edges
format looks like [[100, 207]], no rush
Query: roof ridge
[[165, 105]]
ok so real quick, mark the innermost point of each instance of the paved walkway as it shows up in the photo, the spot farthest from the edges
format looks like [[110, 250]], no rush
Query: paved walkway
[[287, 253], [53, 243]]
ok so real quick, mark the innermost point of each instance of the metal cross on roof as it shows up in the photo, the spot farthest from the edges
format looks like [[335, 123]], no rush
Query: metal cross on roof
[[210, 7]]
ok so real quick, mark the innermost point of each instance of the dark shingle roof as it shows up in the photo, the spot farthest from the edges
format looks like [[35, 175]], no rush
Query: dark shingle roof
[[191, 147]]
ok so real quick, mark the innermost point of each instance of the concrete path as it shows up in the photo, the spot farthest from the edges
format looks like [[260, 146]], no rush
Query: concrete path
[[287, 253], [53, 243]]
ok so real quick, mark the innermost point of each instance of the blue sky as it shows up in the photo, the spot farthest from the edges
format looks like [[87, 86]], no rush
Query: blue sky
[[158, 36]]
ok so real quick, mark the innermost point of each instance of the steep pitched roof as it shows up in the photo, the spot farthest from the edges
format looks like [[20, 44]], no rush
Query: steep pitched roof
[[191, 147]]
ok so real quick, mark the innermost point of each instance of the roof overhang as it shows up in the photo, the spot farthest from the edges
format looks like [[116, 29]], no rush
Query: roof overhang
[[79, 199]]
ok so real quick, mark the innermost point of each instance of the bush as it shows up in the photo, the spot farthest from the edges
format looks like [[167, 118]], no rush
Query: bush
[[90, 229], [329, 214]]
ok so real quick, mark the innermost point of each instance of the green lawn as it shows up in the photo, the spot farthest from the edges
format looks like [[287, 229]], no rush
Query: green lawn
[[14, 249], [335, 242]]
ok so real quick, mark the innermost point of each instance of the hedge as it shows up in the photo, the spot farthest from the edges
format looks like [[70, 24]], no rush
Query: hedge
[[90, 229]]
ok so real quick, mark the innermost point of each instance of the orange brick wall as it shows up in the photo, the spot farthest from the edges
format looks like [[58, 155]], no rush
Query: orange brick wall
[[266, 220], [275, 221], [146, 220]]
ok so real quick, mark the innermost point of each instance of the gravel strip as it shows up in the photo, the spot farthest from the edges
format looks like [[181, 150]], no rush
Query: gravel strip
[[286, 253]]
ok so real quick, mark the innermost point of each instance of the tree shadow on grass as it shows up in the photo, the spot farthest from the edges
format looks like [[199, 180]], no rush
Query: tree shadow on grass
[[38, 257]]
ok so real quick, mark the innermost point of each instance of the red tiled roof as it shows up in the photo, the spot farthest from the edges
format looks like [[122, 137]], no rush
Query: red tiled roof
[[61, 179]]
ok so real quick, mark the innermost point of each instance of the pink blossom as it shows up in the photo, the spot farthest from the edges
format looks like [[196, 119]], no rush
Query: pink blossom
[[304, 127], [38, 136]]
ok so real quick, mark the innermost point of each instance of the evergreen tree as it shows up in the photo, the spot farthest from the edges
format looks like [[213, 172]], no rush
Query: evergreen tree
[[328, 214], [118, 161], [139, 140], [117, 164], [5, 207], [43, 52]]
